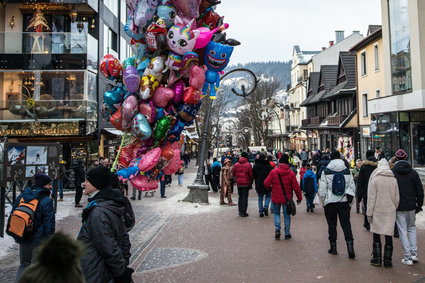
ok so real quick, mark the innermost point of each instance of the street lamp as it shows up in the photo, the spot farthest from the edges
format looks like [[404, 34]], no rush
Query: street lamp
[[198, 189], [266, 112]]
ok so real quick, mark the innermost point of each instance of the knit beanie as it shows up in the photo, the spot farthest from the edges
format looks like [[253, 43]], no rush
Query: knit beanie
[[42, 180], [244, 154], [284, 159], [370, 153], [401, 154], [335, 155], [99, 177]]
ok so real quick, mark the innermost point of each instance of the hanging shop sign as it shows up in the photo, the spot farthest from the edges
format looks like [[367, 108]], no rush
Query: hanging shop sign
[[366, 132], [39, 129]]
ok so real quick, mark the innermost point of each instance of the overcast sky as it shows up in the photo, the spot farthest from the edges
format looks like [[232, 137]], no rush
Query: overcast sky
[[268, 29]]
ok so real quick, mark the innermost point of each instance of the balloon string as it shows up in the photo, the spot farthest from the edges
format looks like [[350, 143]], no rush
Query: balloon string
[[114, 165]]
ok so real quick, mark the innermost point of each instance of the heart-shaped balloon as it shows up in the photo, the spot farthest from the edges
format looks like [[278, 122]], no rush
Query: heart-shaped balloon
[[140, 127], [113, 98], [148, 110], [149, 160], [192, 95], [162, 96], [117, 120], [131, 79], [143, 183], [197, 76], [129, 108], [174, 164], [189, 8], [178, 88], [167, 152], [148, 85], [161, 129]]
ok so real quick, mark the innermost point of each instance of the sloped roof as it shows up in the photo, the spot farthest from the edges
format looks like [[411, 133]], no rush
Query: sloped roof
[[327, 77], [347, 63], [313, 85], [372, 28]]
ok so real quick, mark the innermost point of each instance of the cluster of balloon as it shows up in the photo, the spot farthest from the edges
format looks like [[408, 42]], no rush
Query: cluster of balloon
[[179, 50]]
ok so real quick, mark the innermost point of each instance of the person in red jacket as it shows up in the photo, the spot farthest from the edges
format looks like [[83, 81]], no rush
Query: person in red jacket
[[242, 172], [282, 175]]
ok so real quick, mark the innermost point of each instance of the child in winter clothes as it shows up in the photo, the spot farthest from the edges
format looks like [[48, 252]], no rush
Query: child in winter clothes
[[303, 170], [309, 187]]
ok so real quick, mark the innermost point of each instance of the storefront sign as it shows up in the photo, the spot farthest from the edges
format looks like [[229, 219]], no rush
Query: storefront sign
[[366, 132], [39, 129]]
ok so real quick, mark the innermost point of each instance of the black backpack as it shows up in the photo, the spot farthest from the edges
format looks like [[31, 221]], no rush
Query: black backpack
[[308, 185]]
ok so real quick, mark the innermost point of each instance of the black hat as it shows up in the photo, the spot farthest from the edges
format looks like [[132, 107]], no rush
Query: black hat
[[244, 154], [335, 155], [262, 157], [370, 153], [42, 180], [99, 177], [284, 159]]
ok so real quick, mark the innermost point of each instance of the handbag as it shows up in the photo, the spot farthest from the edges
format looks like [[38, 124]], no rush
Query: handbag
[[290, 204]]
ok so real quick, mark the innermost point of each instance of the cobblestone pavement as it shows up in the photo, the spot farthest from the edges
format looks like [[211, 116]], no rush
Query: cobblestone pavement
[[174, 241]]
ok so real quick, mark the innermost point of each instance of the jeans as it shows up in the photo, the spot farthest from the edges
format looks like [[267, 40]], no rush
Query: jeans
[[243, 193], [215, 183], [340, 210], [309, 200], [208, 181], [134, 193], [57, 184], [407, 232], [26, 256], [263, 201], [286, 217], [180, 179]]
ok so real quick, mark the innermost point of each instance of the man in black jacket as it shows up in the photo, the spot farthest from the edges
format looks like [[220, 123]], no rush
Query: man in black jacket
[[411, 201], [103, 233], [369, 165], [79, 175], [261, 170]]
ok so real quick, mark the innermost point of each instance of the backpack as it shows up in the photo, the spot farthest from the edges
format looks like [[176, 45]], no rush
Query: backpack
[[20, 224], [129, 217], [338, 183], [308, 185]]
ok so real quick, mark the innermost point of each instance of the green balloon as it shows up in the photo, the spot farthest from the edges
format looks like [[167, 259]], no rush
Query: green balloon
[[130, 61], [161, 129]]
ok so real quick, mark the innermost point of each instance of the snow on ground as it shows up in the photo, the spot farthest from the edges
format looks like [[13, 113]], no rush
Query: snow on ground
[[420, 219]]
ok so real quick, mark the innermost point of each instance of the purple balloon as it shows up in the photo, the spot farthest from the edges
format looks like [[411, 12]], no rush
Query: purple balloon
[[131, 79], [178, 88]]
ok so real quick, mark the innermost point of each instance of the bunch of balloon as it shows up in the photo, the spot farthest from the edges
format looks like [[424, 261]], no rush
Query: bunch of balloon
[[179, 50]]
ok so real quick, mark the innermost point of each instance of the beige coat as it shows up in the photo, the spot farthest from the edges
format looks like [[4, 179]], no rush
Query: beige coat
[[383, 199]]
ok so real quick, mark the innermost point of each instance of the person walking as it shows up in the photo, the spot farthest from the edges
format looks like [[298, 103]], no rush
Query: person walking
[[162, 186], [383, 197], [261, 170], [79, 176], [186, 159], [242, 171], [323, 163], [355, 172], [58, 183], [282, 181], [103, 232], [226, 176], [180, 173], [215, 170], [207, 173], [363, 181], [43, 220], [309, 187], [304, 156], [337, 191], [411, 201]]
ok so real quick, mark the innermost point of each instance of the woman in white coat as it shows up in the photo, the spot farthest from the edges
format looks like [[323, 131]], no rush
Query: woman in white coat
[[383, 199]]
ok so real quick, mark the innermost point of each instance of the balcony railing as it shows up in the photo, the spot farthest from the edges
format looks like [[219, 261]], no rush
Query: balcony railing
[[336, 120], [52, 110], [315, 121], [305, 122], [43, 43]]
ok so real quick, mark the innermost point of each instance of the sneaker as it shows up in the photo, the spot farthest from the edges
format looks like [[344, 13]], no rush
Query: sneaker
[[133, 198], [78, 205], [312, 210], [163, 196], [415, 257], [287, 237], [261, 215], [277, 234], [407, 261], [61, 199], [308, 210], [266, 211]]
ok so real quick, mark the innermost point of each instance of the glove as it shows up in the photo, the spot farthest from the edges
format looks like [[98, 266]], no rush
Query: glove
[[370, 219], [418, 209], [350, 198], [125, 277]]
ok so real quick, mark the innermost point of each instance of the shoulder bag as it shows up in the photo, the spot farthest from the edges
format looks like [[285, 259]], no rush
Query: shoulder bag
[[290, 204]]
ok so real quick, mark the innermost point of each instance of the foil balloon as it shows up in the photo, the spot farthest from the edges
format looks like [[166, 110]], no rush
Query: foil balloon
[[148, 110], [167, 152], [161, 129], [155, 68], [114, 97], [130, 61], [189, 8], [210, 20], [131, 79], [176, 130], [178, 88], [174, 164], [205, 35], [126, 173], [197, 76], [189, 111], [118, 122], [167, 12], [110, 66], [192, 95], [106, 112], [129, 108], [149, 160], [145, 11], [140, 127], [162, 96], [143, 183], [148, 85], [156, 35]]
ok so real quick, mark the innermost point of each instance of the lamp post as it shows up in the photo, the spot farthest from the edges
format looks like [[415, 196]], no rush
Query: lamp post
[[243, 84], [265, 112]]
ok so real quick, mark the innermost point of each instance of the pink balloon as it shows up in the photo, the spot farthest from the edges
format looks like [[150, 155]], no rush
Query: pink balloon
[[162, 96], [149, 160], [129, 108], [148, 110], [197, 76], [205, 35], [174, 164], [142, 183], [178, 88], [189, 8]]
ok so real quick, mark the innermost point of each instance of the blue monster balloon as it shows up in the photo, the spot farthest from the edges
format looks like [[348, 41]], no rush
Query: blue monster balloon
[[216, 58]]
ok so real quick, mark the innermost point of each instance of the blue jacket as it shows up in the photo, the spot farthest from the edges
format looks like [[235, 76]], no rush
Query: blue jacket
[[44, 218], [309, 174]]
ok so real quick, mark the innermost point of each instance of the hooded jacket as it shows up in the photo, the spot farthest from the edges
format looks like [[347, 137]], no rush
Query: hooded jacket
[[382, 199], [323, 163], [242, 171], [260, 172], [409, 186], [309, 174], [216, 168], [44, 217], [103, 233], [325, 188], [363, 179], [289, 182]]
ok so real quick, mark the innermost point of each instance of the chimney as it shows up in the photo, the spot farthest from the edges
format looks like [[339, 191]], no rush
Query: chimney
[[323, 48], [356, 32], [331, 43], [339, 35]]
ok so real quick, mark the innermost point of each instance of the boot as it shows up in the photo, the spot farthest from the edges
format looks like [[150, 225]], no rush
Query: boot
[[332, 250], [388, 253], [377, 255], [350, 248], [277, 234]]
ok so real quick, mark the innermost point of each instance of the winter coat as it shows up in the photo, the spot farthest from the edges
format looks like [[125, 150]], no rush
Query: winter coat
[[44, 216], [382, 199], [322, 165], [289, 181], [363, 179], [325, 188], [409, 186], [260, 172], [242, 171], [216, 168], [309, 174], [302, 172], [103, 233], [304, 155]]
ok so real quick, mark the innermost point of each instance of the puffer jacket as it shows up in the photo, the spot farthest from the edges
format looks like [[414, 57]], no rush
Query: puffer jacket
[[103, 234], [289, 182], [366, 170], [325, 188], [260, 172], [323, 163], [409, 186], [242, 171], [44, 217]]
